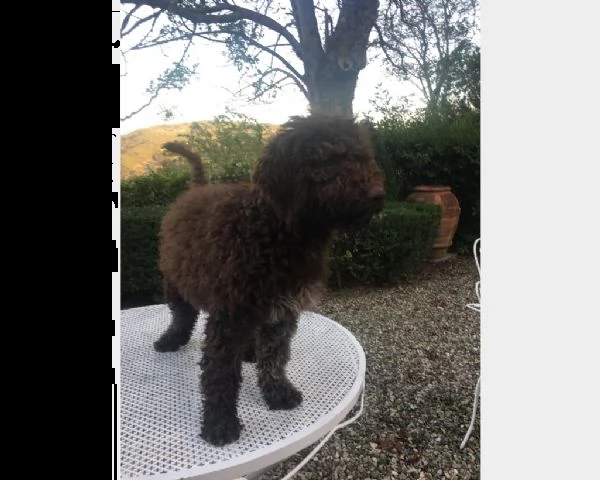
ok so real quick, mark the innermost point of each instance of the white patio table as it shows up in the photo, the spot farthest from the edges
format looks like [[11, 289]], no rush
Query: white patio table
[[161, 409]]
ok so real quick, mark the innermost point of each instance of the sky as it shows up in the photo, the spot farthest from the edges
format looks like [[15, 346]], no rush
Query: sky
[[213, 88]]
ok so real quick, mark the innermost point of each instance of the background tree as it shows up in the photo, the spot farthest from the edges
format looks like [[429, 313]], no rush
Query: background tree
[[430, 43], [465, 89], [272, 42]]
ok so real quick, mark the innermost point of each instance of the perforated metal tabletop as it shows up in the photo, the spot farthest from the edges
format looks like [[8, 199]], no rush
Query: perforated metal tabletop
[[161, 411]]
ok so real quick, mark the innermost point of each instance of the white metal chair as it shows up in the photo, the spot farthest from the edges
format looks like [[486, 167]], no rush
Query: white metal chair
[[477, 308]]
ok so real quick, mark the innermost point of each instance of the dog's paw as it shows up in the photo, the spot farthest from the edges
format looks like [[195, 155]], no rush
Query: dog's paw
[[170, 342], [282, 396], [221, 430]]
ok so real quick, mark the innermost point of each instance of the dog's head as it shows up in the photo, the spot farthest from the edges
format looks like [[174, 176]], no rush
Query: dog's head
[[321, 170]]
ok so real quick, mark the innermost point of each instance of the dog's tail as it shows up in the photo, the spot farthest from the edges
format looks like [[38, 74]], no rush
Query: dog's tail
[[193, 158]]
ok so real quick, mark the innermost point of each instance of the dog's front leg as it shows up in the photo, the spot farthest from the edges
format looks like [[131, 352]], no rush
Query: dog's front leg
[[220, 379], [272, 355]]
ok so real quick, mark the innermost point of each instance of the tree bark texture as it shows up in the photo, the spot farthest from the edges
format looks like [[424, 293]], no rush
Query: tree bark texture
[[331, 70]]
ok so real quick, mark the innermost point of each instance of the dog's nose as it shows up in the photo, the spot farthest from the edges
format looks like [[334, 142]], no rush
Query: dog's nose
[[376, 193]]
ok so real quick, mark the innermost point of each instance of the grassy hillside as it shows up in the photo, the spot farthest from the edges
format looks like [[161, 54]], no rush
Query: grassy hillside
[[139, 147]]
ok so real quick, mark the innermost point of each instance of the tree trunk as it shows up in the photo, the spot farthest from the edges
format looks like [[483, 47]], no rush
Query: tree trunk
[[331, 89], [331, 70]]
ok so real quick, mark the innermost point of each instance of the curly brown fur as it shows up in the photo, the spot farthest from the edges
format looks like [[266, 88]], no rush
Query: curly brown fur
[[254, 256]]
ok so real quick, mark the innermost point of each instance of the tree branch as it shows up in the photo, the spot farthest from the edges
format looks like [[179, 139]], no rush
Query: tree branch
[[156, 93], [212, 15], [299, 84], [140, 21], [354, 25], [299, 78], [145, 105], [128, 17], [278, 56], [385, 47], [274, 84], [303, 12]]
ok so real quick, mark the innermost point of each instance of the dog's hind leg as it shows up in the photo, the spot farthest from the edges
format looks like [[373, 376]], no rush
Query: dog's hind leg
[[250, 350], [221, 376], [183, 319], [272, 354]]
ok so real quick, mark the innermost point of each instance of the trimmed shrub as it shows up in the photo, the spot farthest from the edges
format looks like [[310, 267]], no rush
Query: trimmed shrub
[[140, 227], [159, 187], [390, 247]]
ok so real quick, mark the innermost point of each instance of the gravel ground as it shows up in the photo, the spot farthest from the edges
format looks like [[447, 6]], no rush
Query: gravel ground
[[422, 350]]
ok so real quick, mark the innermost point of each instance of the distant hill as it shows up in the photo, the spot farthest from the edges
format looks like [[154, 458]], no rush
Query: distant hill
[[139, 147]]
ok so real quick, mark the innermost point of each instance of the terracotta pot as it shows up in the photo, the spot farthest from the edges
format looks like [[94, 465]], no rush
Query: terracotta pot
[[442, 196]]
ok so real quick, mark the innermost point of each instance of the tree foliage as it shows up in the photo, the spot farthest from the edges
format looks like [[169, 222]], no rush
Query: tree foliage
[[230, 145], [432, 44], [466, 80]]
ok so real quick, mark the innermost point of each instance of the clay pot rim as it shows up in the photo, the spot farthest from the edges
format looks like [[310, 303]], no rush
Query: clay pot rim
[[431, 188]]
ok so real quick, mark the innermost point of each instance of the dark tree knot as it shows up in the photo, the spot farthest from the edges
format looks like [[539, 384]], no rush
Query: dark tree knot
[[345, 63]]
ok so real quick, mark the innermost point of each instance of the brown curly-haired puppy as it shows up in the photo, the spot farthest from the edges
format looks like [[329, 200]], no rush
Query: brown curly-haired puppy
[[254, 256]]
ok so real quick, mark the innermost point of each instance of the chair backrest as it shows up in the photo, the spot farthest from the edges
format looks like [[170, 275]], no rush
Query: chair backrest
[[477, 256]]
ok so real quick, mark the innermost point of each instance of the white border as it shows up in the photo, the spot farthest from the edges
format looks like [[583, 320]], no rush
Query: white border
[[116, 276], [116, 288], [540, 414]]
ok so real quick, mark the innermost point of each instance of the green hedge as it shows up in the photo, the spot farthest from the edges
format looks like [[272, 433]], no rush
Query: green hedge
[[139, 251], [159, 187], [390, 246], [434, 151]]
